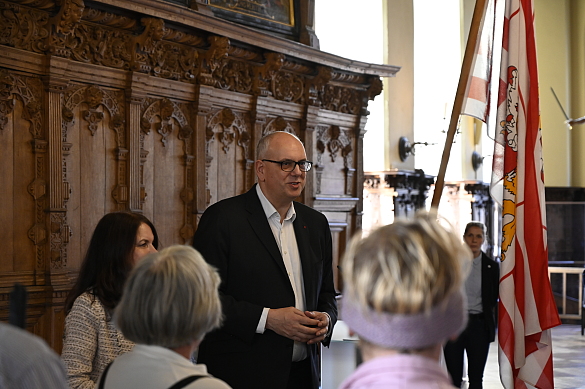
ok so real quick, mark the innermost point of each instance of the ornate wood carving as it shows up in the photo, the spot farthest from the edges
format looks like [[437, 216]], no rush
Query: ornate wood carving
[[170, 119], [317, 85], [63, 26], [229, 128], [265, 74], [340, 99], [279, 124], [214, 60], [6, 101], [338, 143], [288, 87], [29, 91]]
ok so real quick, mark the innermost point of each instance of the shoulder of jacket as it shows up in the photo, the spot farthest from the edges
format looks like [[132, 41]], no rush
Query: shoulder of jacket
[[87, 301], [306, 211], [228, 203], [305, 208]]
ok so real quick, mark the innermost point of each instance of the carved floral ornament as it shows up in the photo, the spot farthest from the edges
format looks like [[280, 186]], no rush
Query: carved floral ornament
[[165, 126], [97, 101], [93, 98], [29, 91], [288, 87], [340, 99], [278, 124], [170, 116], [229, 125], [336, 141]]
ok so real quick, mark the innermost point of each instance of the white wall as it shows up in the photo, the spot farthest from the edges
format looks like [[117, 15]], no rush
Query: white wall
[[356, 32]]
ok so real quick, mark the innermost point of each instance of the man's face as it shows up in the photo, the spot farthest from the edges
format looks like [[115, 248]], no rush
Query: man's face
[[474, 239], [281, 187]]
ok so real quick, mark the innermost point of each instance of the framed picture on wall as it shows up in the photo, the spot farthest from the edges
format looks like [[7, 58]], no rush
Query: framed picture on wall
[[274, 15]]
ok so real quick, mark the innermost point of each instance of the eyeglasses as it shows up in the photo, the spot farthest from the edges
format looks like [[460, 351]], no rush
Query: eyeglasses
[[288, 166]]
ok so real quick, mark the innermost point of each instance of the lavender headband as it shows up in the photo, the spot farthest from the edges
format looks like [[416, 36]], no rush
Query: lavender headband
[[402, 331]]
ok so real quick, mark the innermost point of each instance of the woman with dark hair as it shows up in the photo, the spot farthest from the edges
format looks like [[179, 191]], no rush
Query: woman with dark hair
[[91, 340]]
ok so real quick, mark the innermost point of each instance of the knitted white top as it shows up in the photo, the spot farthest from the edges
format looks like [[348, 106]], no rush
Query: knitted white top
[[90, 343]]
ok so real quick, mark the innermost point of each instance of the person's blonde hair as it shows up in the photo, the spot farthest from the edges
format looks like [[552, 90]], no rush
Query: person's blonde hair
[[407, 267], [170, 299]]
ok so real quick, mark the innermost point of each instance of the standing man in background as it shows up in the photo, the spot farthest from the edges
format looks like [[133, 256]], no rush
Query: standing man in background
[[482, 289], [274, 257]]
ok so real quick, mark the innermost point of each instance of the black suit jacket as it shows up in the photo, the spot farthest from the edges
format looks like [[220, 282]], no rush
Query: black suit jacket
[[235, 237], [490, 288]]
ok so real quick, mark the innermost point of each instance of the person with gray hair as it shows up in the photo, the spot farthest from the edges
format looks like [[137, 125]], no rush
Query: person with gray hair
[[403, 297], [169, 303], [482, 289]]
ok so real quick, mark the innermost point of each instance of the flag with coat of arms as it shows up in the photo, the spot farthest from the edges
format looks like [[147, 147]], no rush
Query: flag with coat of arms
[[527, 310]]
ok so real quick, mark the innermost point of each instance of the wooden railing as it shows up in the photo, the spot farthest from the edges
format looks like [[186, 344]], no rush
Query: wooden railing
[[564, 271]]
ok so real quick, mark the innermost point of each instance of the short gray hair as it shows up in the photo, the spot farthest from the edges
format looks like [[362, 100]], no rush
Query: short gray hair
[[475, 224], [170, 299]]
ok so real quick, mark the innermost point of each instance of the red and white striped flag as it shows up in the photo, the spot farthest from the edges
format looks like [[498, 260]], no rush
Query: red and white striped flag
[[527, 309], [477, 93]]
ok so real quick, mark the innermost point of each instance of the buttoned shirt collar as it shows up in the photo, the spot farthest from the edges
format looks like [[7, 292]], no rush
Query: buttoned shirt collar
[[269, 209]]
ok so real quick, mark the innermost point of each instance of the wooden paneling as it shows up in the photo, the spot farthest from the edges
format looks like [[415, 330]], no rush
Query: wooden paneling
[[126, 105]]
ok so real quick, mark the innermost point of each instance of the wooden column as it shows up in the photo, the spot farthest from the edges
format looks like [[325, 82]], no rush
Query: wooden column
[[359, 170], [310, 122], [202, 108], [135, 95], [58, 186]]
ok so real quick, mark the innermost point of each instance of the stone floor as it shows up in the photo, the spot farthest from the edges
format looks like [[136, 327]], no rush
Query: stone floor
[[568, 360]]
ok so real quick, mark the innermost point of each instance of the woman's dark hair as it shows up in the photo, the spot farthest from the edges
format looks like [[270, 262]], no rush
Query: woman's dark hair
[[108, 260]]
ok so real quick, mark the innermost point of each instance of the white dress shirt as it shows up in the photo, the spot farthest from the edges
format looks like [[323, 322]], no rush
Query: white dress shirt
[[284, 234]]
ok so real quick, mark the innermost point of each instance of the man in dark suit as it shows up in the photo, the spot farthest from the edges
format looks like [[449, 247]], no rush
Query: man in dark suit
[[274, 258], [482, 289]]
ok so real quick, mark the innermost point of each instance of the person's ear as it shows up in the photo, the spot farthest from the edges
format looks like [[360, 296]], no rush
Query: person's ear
[[259, 166]]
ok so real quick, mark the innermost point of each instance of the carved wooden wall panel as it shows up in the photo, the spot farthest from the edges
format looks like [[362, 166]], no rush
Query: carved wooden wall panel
[[229, 153], [106, 108], [166, 167], [335, 149], [17, 180], [94, 162]]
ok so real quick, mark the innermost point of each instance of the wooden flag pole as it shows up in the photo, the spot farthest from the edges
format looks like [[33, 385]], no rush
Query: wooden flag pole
[[470, 50]]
